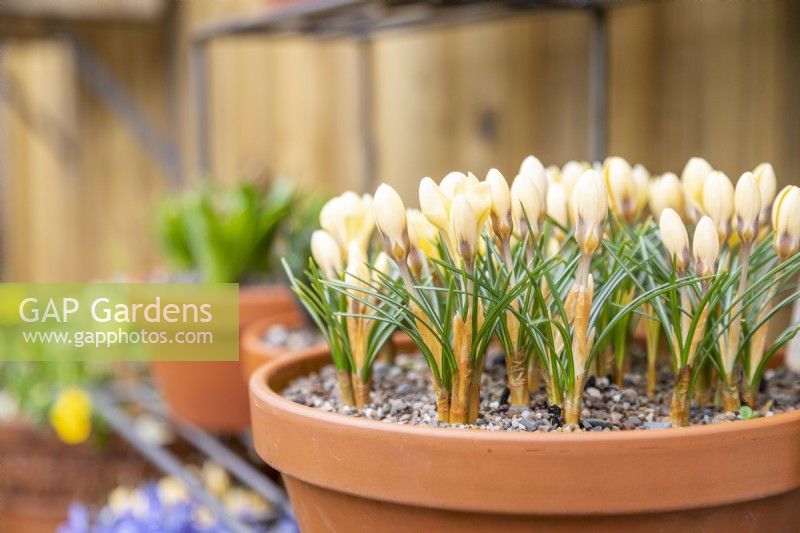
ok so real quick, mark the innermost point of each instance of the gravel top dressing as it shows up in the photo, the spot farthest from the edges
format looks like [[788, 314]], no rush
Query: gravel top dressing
[[402, 394], [293, 339]]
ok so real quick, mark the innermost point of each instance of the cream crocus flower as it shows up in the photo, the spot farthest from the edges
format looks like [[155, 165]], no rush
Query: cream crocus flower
[[527, 207], [326, 253], [423, 235], [382, 264], [764, 175], [465, 228], [557, 204], [357, 272], [621, 187], [641, 177], [390, 217], [786, 221], [675, 238], [348, 218], [718, 202], [693, 178], [435, 205], [570, 174], [502, 223], [666, 191], [590, 204], [705, 247], [553, 174], [534, 169], [747, 203]]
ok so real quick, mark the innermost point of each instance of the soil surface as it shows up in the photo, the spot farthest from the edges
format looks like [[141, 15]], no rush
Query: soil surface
[[402, 394], [293, 339]]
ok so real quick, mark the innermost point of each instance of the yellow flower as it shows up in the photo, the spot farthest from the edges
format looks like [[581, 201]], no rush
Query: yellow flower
[[326, 253], [622, 194], [747, 201], [348, 218], [718, 202], [693, 178], [422, 234], [786, 221], [705, 246], [666, 191], [641, 176], [465, 227], [675, 238], [390, 217], [71, 416], [590, 204], [501, 204], [767, 186]]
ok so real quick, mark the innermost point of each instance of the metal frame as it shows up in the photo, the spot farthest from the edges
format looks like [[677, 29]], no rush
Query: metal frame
[[364, 19], [109, 404]]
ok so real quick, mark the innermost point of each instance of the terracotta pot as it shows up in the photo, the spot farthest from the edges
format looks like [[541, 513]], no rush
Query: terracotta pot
[[255, 352], [213, 394], [350, 474], [40, 476]]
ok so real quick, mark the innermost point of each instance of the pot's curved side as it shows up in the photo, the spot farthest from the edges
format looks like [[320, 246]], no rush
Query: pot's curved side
[[535, 474], [213, 394]]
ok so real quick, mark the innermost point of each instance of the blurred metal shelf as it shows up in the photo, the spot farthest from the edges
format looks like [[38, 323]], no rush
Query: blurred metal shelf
[[363, 19]]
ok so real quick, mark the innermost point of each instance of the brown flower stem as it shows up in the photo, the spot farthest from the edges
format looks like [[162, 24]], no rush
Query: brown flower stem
[[361, 390], [459, 399], [730, 395], [679, 406], [345, 388], [442, 401], [703, 391], [518, 377], [571, 410], [749, 394], [474, 402], [554, 394]]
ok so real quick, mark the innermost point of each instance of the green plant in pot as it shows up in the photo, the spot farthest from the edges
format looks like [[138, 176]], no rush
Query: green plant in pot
[[233, 235], [486, 278]]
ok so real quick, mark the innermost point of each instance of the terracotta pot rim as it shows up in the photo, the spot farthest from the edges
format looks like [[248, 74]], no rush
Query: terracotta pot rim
[[555, 473], [260, 389]]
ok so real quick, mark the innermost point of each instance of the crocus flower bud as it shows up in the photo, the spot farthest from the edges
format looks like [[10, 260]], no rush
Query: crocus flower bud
[[675, 238], [326, 253], [434, 204], [570, 174], [621, 188], [465, 228], [382, 264], [423, 235], [526, 205], [357, 272], [502, 223], [348, 218], [454, 184], [534, 169], [718, 202], [553, 174], [705, 246], [557, 204], [747, 201], [641, 177], [693, 177], [786, 221], [666, 191], [590, 203], [767, 186], [390, 217]]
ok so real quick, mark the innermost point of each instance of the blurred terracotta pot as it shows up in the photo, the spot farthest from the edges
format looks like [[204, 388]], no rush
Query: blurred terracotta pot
[[255, 352], [349, 474], [213, 395]]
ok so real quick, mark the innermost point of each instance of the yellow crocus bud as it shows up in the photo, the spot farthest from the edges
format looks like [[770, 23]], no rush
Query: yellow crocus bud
[[641, 177], [435, 205], [526, 205], [502, 223], [718, 202], [454, 184], [348, 218], [465, 228], [767, 186], [570, 174], [553, 174], [326, 253], [534, 169], [786, 221], [557, 204], [621, 188], [705, 247], [390, 217], [590, 203], [423, 235], [675, 238], [666, 191], [747, 201], [479, 195], [693, 177]]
